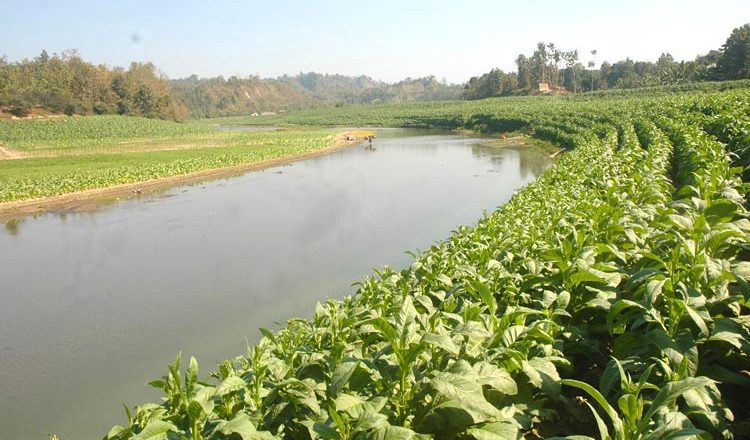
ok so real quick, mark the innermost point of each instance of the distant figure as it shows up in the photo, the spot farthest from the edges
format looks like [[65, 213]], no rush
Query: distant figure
[[369, 146]]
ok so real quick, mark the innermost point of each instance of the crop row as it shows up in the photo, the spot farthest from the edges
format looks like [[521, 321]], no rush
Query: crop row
[[607, 299], [70, 132], [39, 177]]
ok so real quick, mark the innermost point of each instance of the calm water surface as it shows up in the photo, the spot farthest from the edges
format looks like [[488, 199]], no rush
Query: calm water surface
[[96, 304]]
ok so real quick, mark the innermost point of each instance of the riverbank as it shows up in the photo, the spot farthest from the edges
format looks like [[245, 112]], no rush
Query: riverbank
[[92, 198]]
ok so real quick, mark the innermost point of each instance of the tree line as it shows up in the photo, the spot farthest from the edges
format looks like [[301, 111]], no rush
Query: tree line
[[65, 83], [558, 70]]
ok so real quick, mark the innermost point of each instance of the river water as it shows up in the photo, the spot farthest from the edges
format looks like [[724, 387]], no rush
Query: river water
[[93, 305]]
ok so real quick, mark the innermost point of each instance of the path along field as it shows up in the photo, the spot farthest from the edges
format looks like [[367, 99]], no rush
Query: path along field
[[93, 157], [609, 299]]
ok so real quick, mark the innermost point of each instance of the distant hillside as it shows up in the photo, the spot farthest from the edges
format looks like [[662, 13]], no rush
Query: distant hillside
[[65, 83], [341, 89], [241, 96], [210, 97]]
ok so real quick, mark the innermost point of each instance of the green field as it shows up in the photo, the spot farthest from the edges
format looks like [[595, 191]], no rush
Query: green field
[[71, 154], [609, 299]]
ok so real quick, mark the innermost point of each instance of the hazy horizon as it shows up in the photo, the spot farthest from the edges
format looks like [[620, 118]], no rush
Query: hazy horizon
[[385, 41]]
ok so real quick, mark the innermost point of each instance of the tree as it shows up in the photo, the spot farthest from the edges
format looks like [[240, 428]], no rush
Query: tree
[[539, 60], [571, 58], [605, 71], [734, 62], [592, 65], [667, 69], [524, 72]]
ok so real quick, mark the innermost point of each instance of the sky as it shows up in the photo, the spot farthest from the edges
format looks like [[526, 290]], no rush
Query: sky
[[385, 39]]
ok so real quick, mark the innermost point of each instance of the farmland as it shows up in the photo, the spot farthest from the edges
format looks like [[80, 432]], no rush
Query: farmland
[[608, 299], [70, 154]]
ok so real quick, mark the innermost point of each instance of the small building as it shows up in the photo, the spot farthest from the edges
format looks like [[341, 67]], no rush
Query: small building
[[544, 87]]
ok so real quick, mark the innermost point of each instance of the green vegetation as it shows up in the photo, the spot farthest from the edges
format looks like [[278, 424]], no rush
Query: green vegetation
[[608, 299], [74, 154]]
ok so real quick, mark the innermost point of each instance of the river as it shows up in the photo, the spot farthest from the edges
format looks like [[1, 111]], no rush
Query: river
[[95, 304]]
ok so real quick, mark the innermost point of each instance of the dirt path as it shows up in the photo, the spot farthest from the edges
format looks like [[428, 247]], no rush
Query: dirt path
[[93, 198], [9, 154]]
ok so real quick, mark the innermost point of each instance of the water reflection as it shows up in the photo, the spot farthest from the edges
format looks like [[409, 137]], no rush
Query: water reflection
[[13, 227], [531, 161]]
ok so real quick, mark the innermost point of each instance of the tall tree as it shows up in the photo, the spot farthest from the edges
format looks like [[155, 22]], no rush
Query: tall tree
[[539, 60], [734, 62], [592, 65], [525, 76], [571, 58]]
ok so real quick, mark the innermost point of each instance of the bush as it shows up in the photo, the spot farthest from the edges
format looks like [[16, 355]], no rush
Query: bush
[[20, 108], [102, 108], [75, 107]]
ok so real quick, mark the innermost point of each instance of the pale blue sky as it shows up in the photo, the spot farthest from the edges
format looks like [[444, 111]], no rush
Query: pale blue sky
[[385, 39]]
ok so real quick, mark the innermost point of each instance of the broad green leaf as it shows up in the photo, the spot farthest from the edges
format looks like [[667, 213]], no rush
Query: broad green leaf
[[512, 333], [495, 431], [231, 383], [195, 410], [496, 378], [669, 393], [370, 420], [345, 402], [685, 223], [386, 329], [542, 373], [395, 433], [720, 211], [729, 331], [240, 425], [696, 318], [457, 415], [441, 341], [445, 279], [341, 376], [742, 270], [155, 430]]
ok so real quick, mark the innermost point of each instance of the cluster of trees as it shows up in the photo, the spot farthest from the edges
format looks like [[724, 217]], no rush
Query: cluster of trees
[[561, 70], [66, 84], [340, 89]]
